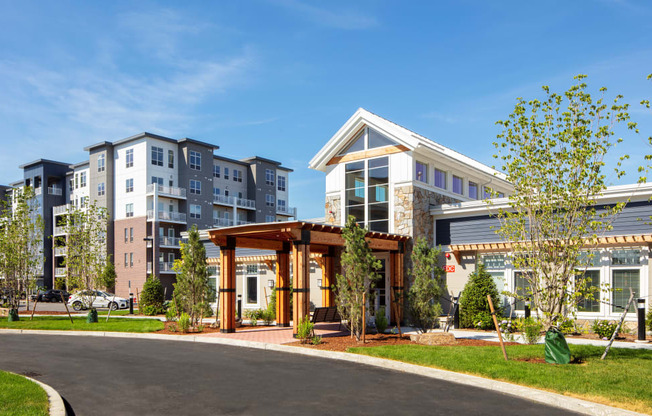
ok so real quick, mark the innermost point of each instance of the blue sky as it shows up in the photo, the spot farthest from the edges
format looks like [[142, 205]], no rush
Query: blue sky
[[277, 78]]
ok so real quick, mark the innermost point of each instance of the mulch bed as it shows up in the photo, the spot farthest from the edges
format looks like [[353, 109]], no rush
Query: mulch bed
[[342, 343]]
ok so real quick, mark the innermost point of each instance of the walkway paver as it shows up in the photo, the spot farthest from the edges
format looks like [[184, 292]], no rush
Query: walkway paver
[[275, 335]]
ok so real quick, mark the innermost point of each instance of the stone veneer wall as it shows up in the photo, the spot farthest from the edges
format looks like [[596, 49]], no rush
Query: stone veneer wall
[[332, 210], [412, 210]]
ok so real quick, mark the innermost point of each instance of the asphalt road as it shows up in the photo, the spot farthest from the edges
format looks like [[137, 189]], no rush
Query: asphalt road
[[113, 376]]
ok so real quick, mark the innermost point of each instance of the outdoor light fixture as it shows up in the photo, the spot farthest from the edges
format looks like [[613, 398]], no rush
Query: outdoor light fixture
[[270, 283], [319, 282]]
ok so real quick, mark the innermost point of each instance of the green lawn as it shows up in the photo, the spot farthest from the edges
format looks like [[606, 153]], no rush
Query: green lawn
[[21, 397], [624, 379], [63, 323]]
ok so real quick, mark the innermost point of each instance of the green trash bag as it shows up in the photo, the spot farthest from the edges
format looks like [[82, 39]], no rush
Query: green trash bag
[[557, 351], [91, 317], [13, 315]]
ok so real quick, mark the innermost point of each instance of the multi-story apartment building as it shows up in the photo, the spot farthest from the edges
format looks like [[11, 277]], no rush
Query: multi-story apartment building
[[154, 188]]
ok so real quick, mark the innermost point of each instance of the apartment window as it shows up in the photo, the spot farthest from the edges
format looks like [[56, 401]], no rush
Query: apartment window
[[457, 185], [270, 218], [216, 171], [195, 211], [170, 257], [126, 235], [82, 180], [195, 187], [269, 200], [157, 156], [101, 160], [131, 234], [591, 280], [226, 193], [129, 158], [71, 183], [421, 172], [622, 281], [440, 179], [83, 201], [129, 185], [281, 183], [126, 259], [473, 190], [131, 259], [157, 181], [269, 177], [100, 189], [195, 160], [216, 191], [226, 173], [281, 205], [171, 232], [523, 290], [237, 175], [171, 159], [488, 192], [129, 210]]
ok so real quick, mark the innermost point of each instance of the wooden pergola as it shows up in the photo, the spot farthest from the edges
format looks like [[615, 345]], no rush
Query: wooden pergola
[[301, 239]]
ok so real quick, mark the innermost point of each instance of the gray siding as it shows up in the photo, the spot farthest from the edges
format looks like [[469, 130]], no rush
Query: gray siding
[[635, 219], [205, 176]]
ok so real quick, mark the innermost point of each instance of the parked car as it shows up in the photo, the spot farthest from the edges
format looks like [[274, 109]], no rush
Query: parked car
[[52, 295], [102, 300]]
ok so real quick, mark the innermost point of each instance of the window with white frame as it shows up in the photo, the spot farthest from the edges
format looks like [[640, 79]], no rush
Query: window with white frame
[[157, 156], [252, 268], [252, 290], [473, 190], [270, 218], [216, 171], [195, 187], [101, 161], [171, 159], [440, 178], [237, 175], [269, 200], [421, 172], [129, 158], [457, 185], [129, 210], [129, 185], [226, 173], [367, 193], [587, 281], [269, 177], [82, 180], [195, 211], [625, 276], [216, 191], [195, 160], [157, 180], [280, 180], [281, 205], [495, 266], [100, 189]]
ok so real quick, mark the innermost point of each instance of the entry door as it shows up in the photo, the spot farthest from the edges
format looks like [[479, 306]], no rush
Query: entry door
[[381, 300]]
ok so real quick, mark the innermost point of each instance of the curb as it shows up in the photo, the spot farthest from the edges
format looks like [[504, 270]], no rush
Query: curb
[[529, 393], [57, 408]]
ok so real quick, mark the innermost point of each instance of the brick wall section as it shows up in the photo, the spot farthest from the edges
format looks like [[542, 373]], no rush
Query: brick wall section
[[138, 272]]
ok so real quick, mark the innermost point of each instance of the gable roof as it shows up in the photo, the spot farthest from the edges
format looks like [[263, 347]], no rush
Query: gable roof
[[399, 134]]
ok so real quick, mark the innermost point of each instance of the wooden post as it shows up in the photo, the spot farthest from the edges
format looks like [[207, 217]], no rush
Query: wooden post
[[327, 279], [227, 286], [301, 292], [395, 307], [493, 315], [108, 315], [68, 310], [283, 287], [35, 302], [266, 302], [622, 318]]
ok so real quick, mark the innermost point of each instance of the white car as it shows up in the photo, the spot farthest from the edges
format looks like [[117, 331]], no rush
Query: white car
[[102, 300]]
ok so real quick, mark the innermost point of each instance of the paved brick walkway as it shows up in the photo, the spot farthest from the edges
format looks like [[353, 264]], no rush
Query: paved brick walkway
[[275, 335]]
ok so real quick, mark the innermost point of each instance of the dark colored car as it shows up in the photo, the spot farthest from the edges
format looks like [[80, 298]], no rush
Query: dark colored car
[[53, 296]]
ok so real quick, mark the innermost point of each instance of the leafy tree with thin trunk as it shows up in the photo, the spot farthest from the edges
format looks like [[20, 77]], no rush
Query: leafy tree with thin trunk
[[359, 266], [85, 227], [192, 291], [423, 296], [553, 150], [21, 244]]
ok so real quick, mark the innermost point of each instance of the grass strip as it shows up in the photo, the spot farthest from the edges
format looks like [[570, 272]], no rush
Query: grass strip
[[622, 380], [62, 323], [21, 397]]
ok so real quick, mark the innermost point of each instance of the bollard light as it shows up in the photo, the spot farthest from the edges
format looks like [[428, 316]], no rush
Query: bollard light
[[641, 319]]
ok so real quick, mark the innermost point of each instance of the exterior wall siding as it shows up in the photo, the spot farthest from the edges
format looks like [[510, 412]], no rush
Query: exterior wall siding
[[137, 273]]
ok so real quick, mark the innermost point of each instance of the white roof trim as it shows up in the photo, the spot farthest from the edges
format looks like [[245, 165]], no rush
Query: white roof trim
[[399, 134]]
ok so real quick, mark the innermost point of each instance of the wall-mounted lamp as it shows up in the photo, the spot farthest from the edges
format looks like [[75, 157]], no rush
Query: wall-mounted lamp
[[319, 282], [270, 283], [448, 256]]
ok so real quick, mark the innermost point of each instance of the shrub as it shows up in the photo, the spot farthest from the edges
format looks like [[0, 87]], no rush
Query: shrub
[[424, 293], [184, 322], [253, 322], [200, 328], [151, 298], [649, 320], [254, 313], [268, 317], [568, 326], [305, 330], [171, 314], [604, 329], [381, 320], [474, 307], [532, 328], [316, 340], [173, 327]]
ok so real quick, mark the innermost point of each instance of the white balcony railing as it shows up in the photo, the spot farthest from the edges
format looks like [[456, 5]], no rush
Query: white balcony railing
[[291, 211], [231, 200], [245, 203], [222, 222], [38, 191], [167, 216], [170, 191], [243, 222], [60, 271], [166, 266], [61, 209], [170, 241], [59, 251], [55, 190], [59, 230], [222, 199]]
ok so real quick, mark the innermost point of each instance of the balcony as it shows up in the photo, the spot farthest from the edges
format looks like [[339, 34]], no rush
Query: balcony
[[245, 203], [231, 200], [61, 209], [59, 230], [168, 191], [59, 271], [37, 191], [284, 210], [222, 222], [55, 190], [243, 222], [166, 267], [223, 200], [167, 216], [59, 251], [169, 242]]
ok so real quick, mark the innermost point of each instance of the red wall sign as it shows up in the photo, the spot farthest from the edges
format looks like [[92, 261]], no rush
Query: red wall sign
[[450, 269]]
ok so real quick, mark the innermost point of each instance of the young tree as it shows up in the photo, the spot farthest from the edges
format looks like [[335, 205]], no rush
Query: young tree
[[192, 290], [426, 288], [553, 152], [108, 274], [21, 245], [359, 266], [152, 296], [474, 306], [85, 228]]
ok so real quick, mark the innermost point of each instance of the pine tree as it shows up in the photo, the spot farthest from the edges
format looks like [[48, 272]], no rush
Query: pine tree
[[474, 307], [423, 296]]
